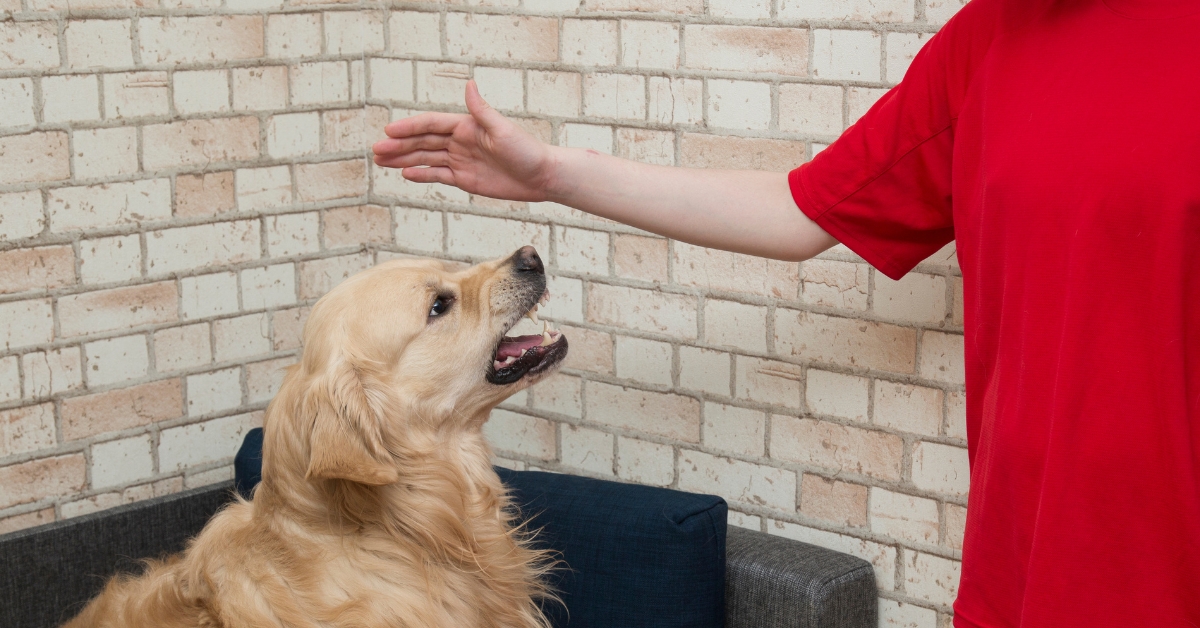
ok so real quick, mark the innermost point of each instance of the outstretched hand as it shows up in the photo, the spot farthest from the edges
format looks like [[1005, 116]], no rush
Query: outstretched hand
[[481, 152]]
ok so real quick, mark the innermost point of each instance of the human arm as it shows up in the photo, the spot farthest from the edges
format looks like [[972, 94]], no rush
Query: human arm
[[484, 153]]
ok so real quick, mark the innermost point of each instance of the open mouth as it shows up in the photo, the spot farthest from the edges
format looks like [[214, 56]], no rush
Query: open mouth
[[519, 356]]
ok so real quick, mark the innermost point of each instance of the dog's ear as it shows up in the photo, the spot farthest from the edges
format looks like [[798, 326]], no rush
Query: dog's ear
[[346, 441]]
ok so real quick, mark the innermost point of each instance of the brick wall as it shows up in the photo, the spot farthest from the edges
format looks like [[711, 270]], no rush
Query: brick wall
[[181, 178]]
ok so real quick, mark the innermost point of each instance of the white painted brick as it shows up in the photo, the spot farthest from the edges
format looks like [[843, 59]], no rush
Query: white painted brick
[[241, 337], [21, 215], [10, 381], [646, 146], [660, 414], [901, 48], [893, 614], [521, 434], [109, 205], [850, 10], [419, 229], [931, 578], [203, 91], [617, 96], [940, 468], [202, 246], [388, 182], [122, 461], [768, 381], [503, 88], [443, 83], [956, 415], [16, 101], [941, 357], [834, 284], [940, 11], [29, 45], [263, 188], [293, 234], [251, 5], [72, 98], [209, 393], [837, 395], [100, 153], [268, 287], [704, 369], [589, 42], [26, 429], [645, 462], [675, 100], [209, 295], [51, 372], [116, 360], [415, 33], [587, 449], [553, 93], [353, 32], [566, 300], [552, 6], [182, 347], [136, 94], [597, 138], [916, 298], [649, 45], [904, 517], [643, 360], [881, 557], [738, 481], [740, 9], [561, 394], [260, 88], [26, 323], [846, 55], [810, 109], [739, 104], [735, 325], [320, 82], [643, 310], [581, 250], [743, 520], [294, 134], [293, 35], [98, 44], [264, 379], [733, 429], [501, 37], [205, 442], [391, 79], [913, 409], [102, 260], [484, 237]]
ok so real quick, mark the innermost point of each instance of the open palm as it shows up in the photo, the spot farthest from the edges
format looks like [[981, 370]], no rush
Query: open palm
[[481, 152]]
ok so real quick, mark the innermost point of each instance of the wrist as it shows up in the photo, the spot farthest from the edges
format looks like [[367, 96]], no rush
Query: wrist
[[558, 186]]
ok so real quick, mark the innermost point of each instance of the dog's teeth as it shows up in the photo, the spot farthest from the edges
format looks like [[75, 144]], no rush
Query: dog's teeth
[[546, 338], [532, 314], [545, 297]]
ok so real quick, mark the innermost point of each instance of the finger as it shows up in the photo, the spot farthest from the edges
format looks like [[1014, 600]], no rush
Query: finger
[[418, 158], [428, 141], [429, 175], [425, 123], [483, 113]]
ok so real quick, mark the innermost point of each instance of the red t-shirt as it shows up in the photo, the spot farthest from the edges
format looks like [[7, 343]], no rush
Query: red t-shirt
[[1059, 144]]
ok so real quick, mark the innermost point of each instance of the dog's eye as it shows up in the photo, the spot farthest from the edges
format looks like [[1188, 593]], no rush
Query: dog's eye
[[439, 307]]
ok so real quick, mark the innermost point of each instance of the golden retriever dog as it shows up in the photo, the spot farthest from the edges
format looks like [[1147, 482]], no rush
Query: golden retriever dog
[[378, 504]]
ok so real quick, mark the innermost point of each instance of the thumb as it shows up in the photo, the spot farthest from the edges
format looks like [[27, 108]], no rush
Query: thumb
[[483, 113]]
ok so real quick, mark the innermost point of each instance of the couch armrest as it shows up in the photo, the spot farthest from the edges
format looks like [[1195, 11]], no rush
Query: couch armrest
[[773, 582]]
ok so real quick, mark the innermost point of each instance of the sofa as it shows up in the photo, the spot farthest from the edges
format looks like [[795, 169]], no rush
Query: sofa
[[633, 556]]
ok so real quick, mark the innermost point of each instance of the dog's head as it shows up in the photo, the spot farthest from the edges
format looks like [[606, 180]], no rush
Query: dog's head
[[416, 345]]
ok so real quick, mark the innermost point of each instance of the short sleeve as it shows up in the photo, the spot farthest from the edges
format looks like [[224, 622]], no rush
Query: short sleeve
[[884, 187]]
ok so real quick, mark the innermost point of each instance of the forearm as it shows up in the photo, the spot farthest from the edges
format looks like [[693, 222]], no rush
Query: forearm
[[744, 211]]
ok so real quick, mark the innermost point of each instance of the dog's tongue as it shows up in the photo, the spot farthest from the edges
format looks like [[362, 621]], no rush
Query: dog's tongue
[[516, 346]]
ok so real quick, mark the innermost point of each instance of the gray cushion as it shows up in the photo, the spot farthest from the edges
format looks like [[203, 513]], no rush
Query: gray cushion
[[773, 582]]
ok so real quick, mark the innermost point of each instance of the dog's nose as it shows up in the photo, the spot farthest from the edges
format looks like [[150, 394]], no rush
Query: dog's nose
[[526, 260]]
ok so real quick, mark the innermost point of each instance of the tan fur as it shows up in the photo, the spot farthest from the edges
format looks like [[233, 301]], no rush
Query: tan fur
[[378, 505]]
